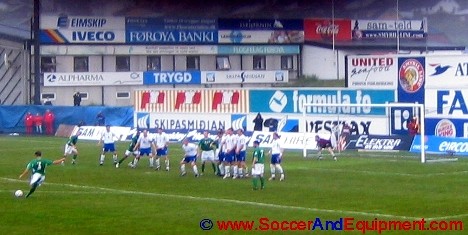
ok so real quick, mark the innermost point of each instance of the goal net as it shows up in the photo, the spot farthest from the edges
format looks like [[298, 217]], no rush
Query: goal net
[[372, 129]]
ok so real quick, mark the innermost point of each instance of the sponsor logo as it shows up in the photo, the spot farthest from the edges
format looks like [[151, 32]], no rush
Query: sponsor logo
[[370, 65], [279, 76], [356, 127], [187, 124], [187, 98], [210, 77], [377, 143], [152, 97], [238, 122], [175, 77], [451, 102], [411, 75], [85, 36], [439, 69], [75, 78], [79, 22], [225, 98], [445, 128], [143, 120], [278, 101], [172, 36]]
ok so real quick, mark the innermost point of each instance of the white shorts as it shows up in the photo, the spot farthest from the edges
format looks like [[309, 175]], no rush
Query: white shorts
[[69, 149], [258, 169], [127, 152], [207, 155], [36, 177]]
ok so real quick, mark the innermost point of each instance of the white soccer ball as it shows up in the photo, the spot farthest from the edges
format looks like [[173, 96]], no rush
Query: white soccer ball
[[18, 193]]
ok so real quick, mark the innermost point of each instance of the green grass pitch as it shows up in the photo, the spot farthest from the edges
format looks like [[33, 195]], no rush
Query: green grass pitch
[[90, 199]]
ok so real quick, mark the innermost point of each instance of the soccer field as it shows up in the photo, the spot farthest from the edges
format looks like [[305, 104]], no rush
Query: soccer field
[[90, 199]]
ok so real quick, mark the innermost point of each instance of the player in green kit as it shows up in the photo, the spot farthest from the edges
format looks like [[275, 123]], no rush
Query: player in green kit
[[37, 168], [70, 147], [206, 151], [258, 166], [130, 149]]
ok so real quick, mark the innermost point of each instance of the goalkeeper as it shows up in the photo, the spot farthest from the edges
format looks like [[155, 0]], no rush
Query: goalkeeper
[[323, 140]]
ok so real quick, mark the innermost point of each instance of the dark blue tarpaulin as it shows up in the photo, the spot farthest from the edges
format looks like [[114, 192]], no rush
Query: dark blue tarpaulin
[[12, 117]]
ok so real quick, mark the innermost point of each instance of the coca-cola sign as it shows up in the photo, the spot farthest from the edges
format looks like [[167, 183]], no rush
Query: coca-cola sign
[[327, 29]]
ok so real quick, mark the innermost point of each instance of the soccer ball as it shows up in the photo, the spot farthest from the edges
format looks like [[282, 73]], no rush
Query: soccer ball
[[18, 193]]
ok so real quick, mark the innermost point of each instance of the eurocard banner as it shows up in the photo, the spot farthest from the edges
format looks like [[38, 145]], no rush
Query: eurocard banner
[[93, 79], [441, 145], [371, 71]]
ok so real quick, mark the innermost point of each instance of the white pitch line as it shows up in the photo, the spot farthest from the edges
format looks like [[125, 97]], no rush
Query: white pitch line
[[393, 173], [276, 206]]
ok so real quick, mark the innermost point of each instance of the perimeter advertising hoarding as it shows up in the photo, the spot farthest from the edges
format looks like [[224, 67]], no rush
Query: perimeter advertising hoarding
[[93, 79], [192, 101], [327, 30], [371, 72], [385, 29], [240, 77], [443, 71], [290, 101], [441, 145]]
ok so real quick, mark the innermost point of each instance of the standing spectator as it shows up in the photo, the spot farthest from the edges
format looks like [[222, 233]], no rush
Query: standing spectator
[[272, 124], [29, 123], [76, 99], [413, 126], [100, 119], [38, 119], [49, 119], [258, 122]]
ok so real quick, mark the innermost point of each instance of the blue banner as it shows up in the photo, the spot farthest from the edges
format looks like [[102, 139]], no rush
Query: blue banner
[[411, 79], [171, 24], [399, 119], [156, 78], [447, 127], [260, 24], [441, 145], [292, 101], [171, 37], [258, 50], [379, 142]]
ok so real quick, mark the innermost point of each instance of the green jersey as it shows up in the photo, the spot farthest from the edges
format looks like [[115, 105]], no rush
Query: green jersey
[[259, 154], [72, 140], [133, 143], [206, 144], [39, 165]]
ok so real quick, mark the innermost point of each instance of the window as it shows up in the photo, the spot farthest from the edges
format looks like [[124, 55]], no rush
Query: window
[[122, 95], [80, 64], [193, 62], [259, 62], [84, 95], [122, 63], [222, 63], [287, 62], [48, 64], [50, 96], [153, 63]]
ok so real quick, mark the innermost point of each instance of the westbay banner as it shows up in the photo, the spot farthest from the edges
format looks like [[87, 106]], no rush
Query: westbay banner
[[93, 79]]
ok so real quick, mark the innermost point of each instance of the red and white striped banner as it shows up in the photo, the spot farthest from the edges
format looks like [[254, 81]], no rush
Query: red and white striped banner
[[192, 101]]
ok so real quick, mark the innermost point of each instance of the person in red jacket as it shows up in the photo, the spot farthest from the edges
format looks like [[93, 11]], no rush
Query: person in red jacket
[[413, 126], [29, 123], [38, 120], [49, 119]]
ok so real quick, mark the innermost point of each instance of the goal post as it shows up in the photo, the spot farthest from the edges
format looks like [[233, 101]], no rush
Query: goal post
[[339, 110]]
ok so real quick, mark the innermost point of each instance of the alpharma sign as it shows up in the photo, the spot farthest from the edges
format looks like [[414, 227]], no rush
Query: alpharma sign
[[93, 79]]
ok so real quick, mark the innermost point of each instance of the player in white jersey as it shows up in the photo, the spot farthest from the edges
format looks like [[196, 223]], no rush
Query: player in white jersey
[[276, 156], [229, 149], [145, 145], [190, 156], [162, 140], [241, 147], [108, 137]]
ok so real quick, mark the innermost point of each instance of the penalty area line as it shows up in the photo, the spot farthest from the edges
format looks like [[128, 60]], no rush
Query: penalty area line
[[258, 204]]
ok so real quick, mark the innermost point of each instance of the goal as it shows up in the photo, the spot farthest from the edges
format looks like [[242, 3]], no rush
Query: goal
[[379, 127]]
